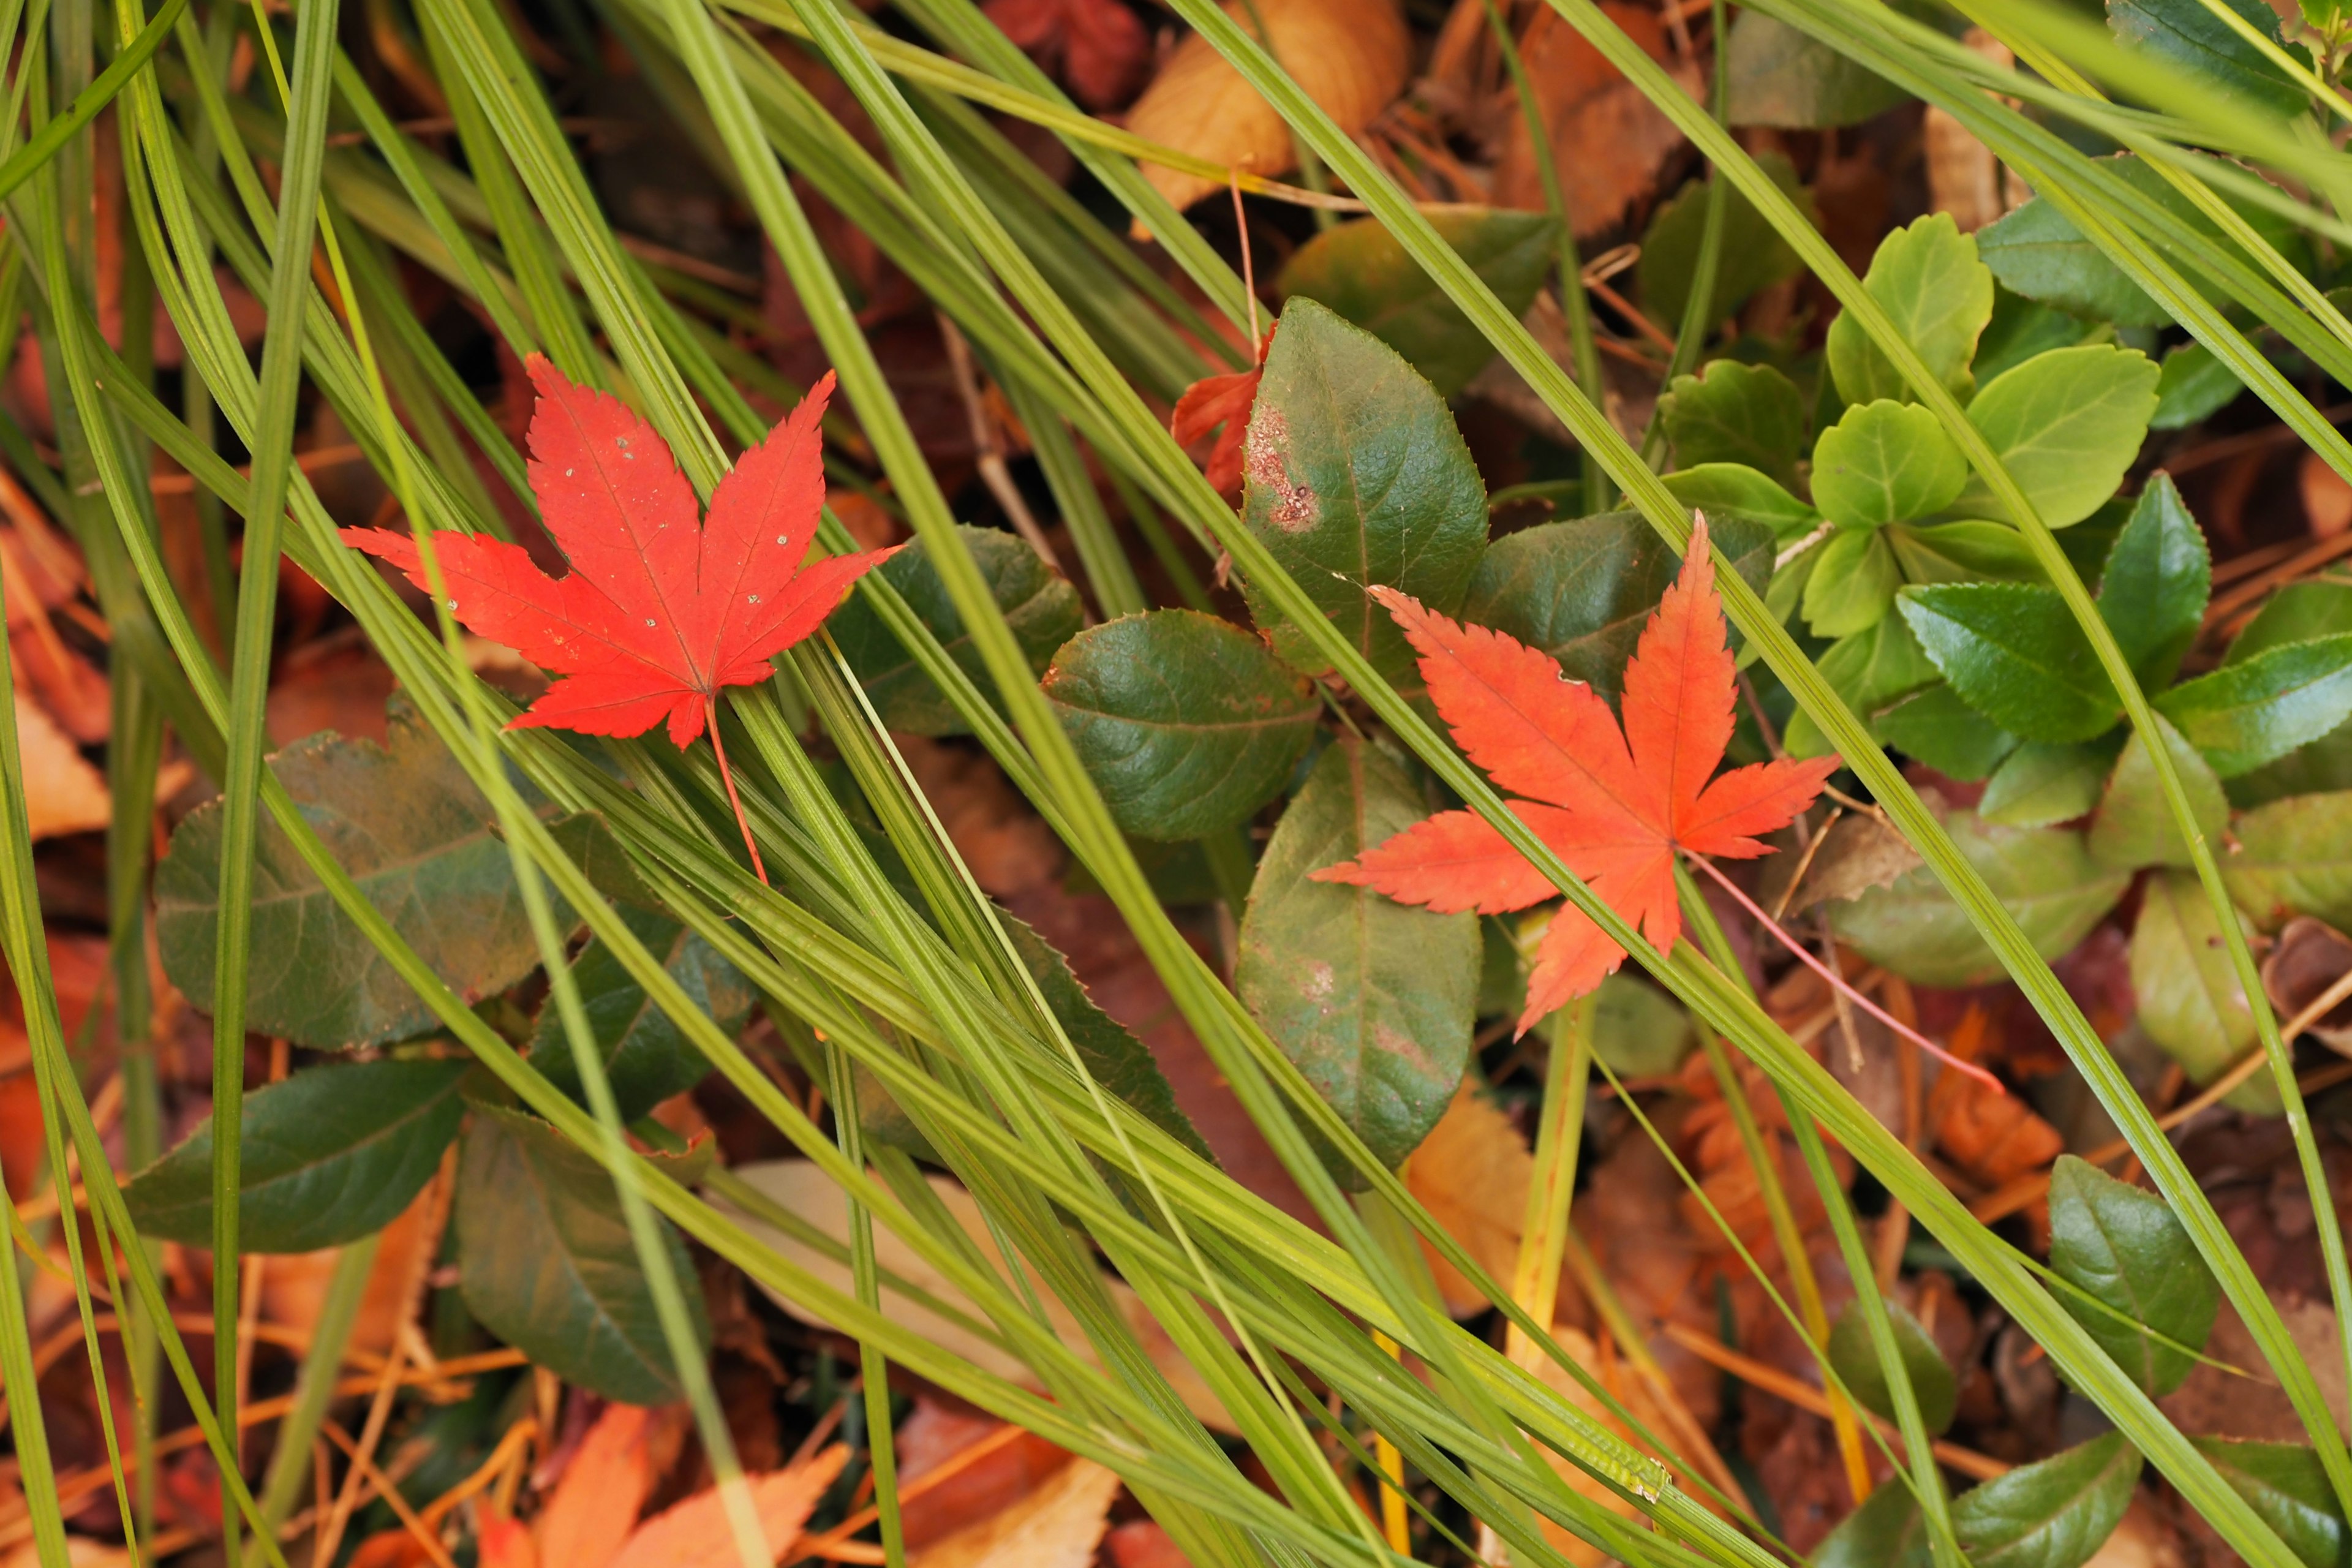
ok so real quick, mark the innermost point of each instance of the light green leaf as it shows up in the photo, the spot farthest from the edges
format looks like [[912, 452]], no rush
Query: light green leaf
[[1852, 582], [2135, 827], [2041, 784], [1362, 272], [1927, 278], [2190, 1003], [1783, 77], [1728, 490], [2288, 1487], [1753, 254], [644, 1056], [1373, 999], [1356, 476], [330, 1154], [1886, 462], [2258, 709], [1041, 610], [2012, 651], [1186, 722], [2194, 385], [2054, 1514], [1970, 550], [1637, 1029], [1856, 1361], [1939, 729], [1871, 671], [545, 1261], [2043, 876], [2125, 1249], [2066, 424], [2292, 858], [1735, 413], [2157, 577], [413, 834]]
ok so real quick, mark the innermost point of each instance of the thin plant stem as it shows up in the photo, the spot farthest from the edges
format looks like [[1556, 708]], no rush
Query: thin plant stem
[[727, 775]]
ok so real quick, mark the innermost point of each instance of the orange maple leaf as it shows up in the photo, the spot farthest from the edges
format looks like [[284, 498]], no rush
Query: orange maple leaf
[[1225, 400], [1615, 804]]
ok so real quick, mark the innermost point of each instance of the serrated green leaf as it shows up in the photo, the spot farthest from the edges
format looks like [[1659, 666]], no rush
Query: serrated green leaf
[[1373, 999], [2184, 34], [1939, 729], [2296, 613], [2135, 827], [2125, 1249], [414, 835], [329, 1154], [1928, 279], [1725, 491], [1362, 272], [1753, 254], [1041, 610], [2292, 858], [1781, 76], [2043, 876], [1355, 476], [2287, 1485], [1733, 413], [545, 1261], [2194, 385], [1856, 1361], [2054, 1514], [644, 1056], [1187, 724], [2016, 656], [2158, 576], [2190, 1003], [2066, 424], [1852, 582], [2040, 783], [1886, 462], [2258, 709]]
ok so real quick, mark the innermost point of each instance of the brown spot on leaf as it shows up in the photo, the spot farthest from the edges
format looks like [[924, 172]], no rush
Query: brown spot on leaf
[[1264, 455]]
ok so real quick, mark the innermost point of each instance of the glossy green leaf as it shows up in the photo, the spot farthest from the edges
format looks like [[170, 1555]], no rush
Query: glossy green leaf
[[1886, 462], [2135, 827], [2016, 656], [2292, 858], [545, 1262], [1725, 491], [2043, 876], [1783, 77], [1852, 584], [1753, 254], [2190, 1003], [1373, 999], [1041, 607], [415, 834], [644, 1056], [2183, 33], [2020, 329], [1939, 729], [2299, 612], [2066, 424], [1886, 1532], [2040, 783], [2194, 385], [1928, 279], [1970, 551], [2125, 1247], [1735, 413], [2054, 1514], [330, 1154], [2258, 709], [1856, 1361], [2287, 1485], [1355, 476], [1362, 272], [1187, 724], [2158, 576], [1583, 590]]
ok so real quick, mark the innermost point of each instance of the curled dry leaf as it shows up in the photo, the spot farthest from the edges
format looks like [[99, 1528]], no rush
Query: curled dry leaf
[[1858, 852], [1057, 1526], [1991, 1137], [2310, 958], [1472, 1174], [63, 793], [696, 1534], [1350, 57], [1608, 140]]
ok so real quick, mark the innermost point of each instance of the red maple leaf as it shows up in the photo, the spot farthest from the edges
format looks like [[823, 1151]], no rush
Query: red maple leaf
[[1225, 400], [1614, 803], [1100, 44], [660, 610]]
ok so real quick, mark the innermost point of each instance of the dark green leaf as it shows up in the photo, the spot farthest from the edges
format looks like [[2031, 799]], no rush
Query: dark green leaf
[[1186, 722], [2184, 34], [1856, 1360], [1886, 462], [2066, 424], [1725, 491], [2054, 1514], [2135, 825], [2194, 385], [1583, 590], [1927, 277], [2190, 1003], [644, 1055], [2288, 1487], [1735, 413], [1041, 610], [1886, 1532], [2021, 328], [330, 1154], [1360, 271], [2320, 767], [1939, 729], [1373, 999], [414, 835], [1854, 575], [1356, 476], [2294, 857], [1783, 77], [2124, 1247], [2258, 709], [545, 1261], [2016, 656], [2043, 876], [2159, 575], [2041, 784], [1753, 255]]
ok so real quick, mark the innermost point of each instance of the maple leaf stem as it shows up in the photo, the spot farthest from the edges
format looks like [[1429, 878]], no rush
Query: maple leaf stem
[[1839, 983], [727, 777]]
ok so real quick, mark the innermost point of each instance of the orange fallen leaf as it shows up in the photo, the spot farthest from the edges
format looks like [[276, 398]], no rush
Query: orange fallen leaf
[[1057, 1526], [1472, 1174], [1588, 107], [63, 793], [499, 1541], [596, 1503], [1992, 1137], [696, 1534]]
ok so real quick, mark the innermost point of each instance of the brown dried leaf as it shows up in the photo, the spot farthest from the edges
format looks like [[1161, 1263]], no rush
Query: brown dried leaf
[[1859, 852], [695, 1533], [1350, 57], [1608, 140], [63, 793], [1057, 1526], [2310, 957], [1991, 1137], [1472, 1174]]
